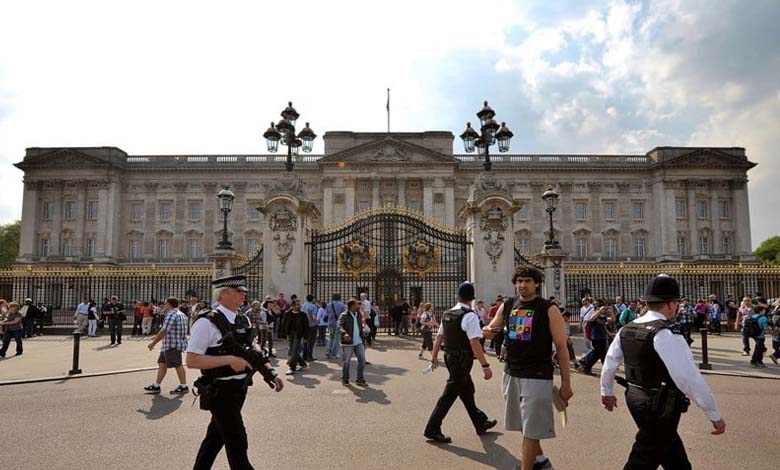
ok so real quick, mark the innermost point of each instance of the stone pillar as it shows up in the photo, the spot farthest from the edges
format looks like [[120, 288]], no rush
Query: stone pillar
[[554, 282], [327, 201], [741, 210], [693, 217], [110, 197], [55, 239], [29, 230], [349, 197], [428, 197], [402, 192], [222, 263], [449, 201], [715, 222], [375, 183]]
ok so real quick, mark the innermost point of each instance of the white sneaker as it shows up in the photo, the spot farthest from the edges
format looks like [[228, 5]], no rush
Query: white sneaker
[[289, 372]]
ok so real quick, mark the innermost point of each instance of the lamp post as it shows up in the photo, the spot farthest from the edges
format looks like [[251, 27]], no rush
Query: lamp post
[[226, 198], [550, 197], [284, 132], [489, 134]]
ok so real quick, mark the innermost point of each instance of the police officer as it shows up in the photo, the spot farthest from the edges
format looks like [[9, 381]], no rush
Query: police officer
[[225, 376], [460, 333], [660, 374]]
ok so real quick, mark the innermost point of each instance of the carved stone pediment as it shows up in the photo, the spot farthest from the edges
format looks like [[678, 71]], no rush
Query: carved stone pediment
[[388, 150], [707, 158], [287, 183], [71, 157]]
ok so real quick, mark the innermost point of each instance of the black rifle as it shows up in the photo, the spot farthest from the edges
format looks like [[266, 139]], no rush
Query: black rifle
[[255, 358]]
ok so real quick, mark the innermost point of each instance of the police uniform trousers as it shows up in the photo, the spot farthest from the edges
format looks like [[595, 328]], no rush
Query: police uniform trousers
[[657, 442], [459, 385], [226, 428]]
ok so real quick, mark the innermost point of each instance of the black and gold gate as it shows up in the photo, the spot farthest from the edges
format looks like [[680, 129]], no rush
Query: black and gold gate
[[393, 254]]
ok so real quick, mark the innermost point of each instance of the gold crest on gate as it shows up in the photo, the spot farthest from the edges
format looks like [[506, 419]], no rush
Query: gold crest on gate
[[356, 257], [421, 257]]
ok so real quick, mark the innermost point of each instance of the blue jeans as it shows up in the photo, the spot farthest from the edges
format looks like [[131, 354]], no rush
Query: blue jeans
[[7, 337], [334, 342], [310, 340], [360, 353], [758, 351]]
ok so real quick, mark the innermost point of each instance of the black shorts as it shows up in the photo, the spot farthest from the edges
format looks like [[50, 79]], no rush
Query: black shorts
[[171, 358]]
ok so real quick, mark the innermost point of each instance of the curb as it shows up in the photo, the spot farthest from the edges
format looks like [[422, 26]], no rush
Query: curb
[[733, 374], [77, 376]]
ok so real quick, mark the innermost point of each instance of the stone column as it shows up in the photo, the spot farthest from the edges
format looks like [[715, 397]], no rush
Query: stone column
[[55, 239], [29, 229], [375, 183], [428, 197], [402, 192], [554, 282], [715, 222], [113, 196], [327, 201], [449, 201], [741, 210], [81, 221], [222, 263], [693, 217], [349, 197]]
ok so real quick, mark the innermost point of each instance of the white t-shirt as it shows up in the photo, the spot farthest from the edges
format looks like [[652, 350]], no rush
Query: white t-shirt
[[205, 334], [469, 324]]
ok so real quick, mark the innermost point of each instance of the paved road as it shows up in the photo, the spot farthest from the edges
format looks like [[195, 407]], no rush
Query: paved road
[[106, 422]]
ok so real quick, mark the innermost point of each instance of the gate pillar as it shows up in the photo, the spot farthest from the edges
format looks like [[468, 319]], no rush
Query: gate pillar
[[288, 225], [222, 263], [488, 215], [554, 282]]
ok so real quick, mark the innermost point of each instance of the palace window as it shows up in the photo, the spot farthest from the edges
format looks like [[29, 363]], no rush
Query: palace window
[[134, 249], [67, 247], [89, 246], [682, 245], [193, 248], [46, 210], [44, 247], [524, 245], [610, 247], [69, 210], [164, 248], [703, 209], [252, 214], [609, 210], [195, 211], [522, 213], [166, 210], [92, 210], [580, 211], [727, 243], [581, 245], [639, 247], [638, 210], [136, 211], [725, 209], [681, 209], [704, 244], [251, 245]]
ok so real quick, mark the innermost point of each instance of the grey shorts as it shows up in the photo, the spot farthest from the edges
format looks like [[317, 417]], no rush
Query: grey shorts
[[171, 358], [528, 407]]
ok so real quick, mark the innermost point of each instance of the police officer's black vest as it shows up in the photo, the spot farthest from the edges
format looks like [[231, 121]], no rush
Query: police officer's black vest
[[455, 339], [241, 332], [643, 365]]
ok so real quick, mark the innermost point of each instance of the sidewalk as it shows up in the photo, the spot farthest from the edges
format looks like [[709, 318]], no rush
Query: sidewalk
[[52, 356]]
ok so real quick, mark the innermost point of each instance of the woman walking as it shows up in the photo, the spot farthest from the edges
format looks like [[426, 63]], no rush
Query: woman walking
[[12, 328], [427, 326]]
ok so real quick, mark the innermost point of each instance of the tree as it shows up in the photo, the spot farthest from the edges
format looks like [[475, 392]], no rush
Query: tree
[[769, 251], [9, 243]]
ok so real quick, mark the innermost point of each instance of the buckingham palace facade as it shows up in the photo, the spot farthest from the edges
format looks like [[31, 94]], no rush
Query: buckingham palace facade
[[100, 205]]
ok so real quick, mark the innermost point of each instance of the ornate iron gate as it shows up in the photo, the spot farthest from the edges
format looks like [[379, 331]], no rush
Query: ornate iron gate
[[392, 254], [252, 268]]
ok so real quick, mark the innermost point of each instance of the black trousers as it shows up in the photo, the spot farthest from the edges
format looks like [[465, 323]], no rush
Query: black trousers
[[226, 429], [599, 352], [657, 442], [115, 329], [459, 385]]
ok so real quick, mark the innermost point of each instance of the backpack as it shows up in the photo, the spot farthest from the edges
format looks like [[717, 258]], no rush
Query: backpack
[[751, 328]]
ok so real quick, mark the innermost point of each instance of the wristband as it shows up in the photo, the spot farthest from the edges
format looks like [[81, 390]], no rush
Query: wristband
[[486, 366]]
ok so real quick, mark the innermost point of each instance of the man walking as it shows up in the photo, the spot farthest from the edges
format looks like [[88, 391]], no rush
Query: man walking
[[310, 309], [460, 334], [351, 338], [296, 329], [661, 373], [333, 311], [81, 316], [532, 325], [173, 335]]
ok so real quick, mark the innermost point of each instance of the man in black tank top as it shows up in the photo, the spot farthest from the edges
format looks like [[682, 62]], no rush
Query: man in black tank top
[[531, 325]]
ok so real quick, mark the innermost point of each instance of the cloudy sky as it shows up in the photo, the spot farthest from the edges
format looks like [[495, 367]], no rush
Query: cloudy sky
[[156, 77]]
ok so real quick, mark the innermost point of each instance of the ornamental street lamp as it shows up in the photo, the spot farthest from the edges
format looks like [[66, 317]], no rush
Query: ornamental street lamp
[[489, 134], [226, 198], [284, 132], [550, 197]]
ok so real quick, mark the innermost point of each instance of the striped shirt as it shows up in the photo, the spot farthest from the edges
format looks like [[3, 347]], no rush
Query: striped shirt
[[175, 327]]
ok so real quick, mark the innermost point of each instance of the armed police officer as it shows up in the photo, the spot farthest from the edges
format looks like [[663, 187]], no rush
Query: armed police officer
[[460, 333], [661, 379], [221, 347]]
